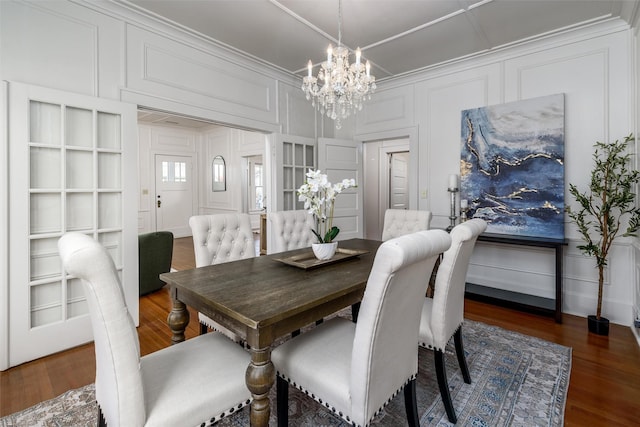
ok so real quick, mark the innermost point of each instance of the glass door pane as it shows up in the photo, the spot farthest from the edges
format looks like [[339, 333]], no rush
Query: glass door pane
[[297, 156]]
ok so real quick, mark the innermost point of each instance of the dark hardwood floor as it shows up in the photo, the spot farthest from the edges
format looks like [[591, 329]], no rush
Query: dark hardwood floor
[[604, 388]]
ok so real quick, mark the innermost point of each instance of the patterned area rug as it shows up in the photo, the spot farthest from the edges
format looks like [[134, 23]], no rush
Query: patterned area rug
[[517, 380]]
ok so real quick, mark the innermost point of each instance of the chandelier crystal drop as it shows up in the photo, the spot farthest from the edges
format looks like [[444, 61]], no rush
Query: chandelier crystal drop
[[340, 87]]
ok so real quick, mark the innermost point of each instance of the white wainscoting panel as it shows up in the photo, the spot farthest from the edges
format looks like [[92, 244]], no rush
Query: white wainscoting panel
[[439, 102], [524, 269], [297, 115], [387, 109], [164, 67], [219, 142], [581, 283], [61, 45]]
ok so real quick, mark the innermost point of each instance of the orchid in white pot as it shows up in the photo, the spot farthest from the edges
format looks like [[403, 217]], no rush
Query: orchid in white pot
[[319, 197]]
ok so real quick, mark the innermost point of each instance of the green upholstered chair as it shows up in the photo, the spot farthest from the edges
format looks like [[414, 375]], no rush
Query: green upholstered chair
[[155, 251]]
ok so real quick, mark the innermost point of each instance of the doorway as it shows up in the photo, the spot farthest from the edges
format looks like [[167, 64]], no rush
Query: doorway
[[254, 186], [386, 181], [193, 143], [398, 180]]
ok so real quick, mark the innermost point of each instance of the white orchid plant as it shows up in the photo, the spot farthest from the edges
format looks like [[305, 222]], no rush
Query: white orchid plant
[[319, 197]]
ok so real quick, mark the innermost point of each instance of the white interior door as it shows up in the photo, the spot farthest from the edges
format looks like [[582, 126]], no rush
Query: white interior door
[[72, 167], [293, 157], [341, 159], [399, 180], [174, 193]]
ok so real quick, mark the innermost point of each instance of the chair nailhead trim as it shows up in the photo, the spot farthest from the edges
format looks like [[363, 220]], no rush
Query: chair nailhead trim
[[340, 414], [431, 347], [228, 412]]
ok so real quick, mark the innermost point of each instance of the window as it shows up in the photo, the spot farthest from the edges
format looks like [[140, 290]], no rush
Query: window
[[258, 186], [174, 172]]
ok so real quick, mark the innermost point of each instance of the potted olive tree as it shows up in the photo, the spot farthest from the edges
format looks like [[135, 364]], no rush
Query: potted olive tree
[[605, 210]]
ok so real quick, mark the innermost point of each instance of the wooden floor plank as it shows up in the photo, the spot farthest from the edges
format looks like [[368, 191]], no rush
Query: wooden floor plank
[[604, 387]]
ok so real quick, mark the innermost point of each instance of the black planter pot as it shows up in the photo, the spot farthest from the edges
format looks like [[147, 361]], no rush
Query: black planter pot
[[600, 327]]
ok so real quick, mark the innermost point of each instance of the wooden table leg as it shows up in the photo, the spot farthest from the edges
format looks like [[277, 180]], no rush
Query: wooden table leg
[[178, 320], [260, 377]]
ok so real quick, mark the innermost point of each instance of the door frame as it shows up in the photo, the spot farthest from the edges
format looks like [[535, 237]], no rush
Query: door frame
[[4, 225], [414, 188], [412, 134], [385, 177], [195, 195]]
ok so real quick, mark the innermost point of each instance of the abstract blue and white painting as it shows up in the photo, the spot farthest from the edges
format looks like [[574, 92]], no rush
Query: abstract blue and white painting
[[512, 166]]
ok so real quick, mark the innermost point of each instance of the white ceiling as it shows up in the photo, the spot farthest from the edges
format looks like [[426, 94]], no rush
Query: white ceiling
[[397, 36]]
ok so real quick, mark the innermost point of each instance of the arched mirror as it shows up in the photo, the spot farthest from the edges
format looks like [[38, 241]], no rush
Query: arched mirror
[[218, 172]]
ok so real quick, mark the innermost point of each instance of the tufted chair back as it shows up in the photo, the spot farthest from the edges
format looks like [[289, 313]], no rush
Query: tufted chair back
[[196, 382], [119, 389], [291, 230], [221, 238], [396, 285], [355, 369], [447, 311], [398, 222], [442, 315]]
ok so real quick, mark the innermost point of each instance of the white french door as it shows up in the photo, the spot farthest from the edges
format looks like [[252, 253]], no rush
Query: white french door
[[294, 156], [72, 167], [174, 193], [341, 159]]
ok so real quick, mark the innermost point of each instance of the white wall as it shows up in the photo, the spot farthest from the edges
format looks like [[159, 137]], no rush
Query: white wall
[[594, 68], [232, 145]]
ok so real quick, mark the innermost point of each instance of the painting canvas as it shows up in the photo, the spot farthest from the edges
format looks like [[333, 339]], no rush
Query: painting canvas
[[512, 166]]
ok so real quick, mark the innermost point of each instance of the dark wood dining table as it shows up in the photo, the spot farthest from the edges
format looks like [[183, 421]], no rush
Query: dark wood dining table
[[263, 298]]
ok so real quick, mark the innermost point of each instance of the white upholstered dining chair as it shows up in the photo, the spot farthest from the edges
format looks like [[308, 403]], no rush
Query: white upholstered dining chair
[[221, 238], [398, 222], [196, 382], [355, 369], [291, 230], [442, 315]]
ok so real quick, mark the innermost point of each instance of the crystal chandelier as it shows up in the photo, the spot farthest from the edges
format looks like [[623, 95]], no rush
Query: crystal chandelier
[[340, 87]]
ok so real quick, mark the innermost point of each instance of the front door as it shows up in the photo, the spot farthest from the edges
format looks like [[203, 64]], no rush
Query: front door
[[174, 194]]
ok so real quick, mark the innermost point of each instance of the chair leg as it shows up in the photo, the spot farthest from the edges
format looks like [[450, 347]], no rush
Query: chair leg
[[282, 398], [443, 384], [462, 360], [101, 421], [203, 329], [410, 404], [355, 309]]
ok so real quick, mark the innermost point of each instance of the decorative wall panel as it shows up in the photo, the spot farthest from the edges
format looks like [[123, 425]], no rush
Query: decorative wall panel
[[175, 71]]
